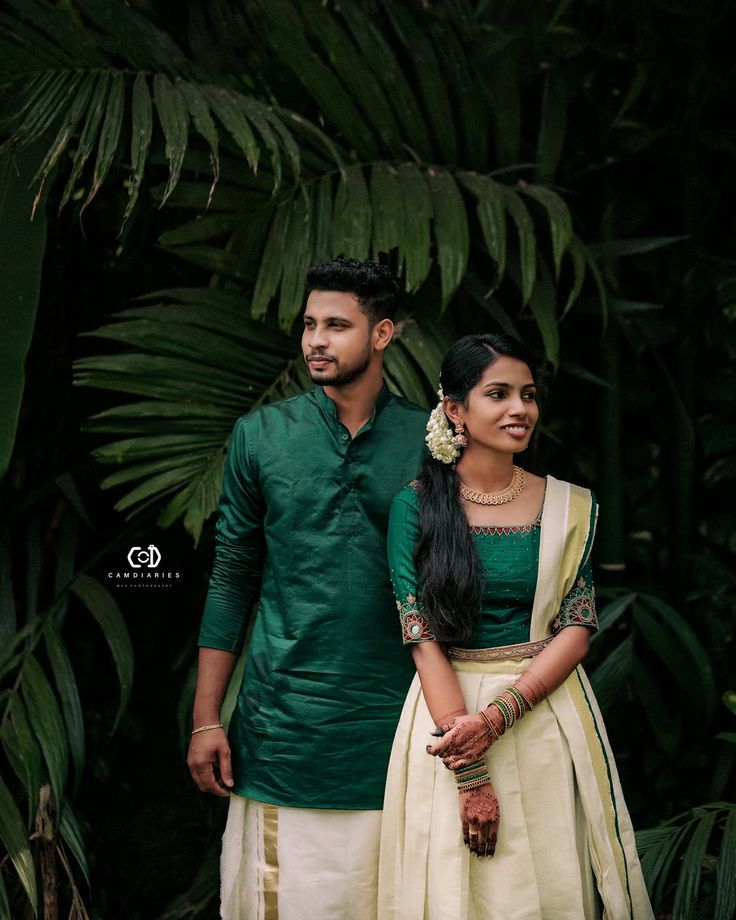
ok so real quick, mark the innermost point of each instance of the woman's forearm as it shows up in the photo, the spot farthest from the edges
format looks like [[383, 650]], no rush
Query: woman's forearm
[[554, 664], [473, 735], [549, 670], [440, 685]]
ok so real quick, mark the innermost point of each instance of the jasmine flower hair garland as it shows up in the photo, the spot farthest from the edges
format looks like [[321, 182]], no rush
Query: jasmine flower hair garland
[[442, 444]]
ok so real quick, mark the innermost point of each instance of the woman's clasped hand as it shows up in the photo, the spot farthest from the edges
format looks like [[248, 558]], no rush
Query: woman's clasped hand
[[467, 740]]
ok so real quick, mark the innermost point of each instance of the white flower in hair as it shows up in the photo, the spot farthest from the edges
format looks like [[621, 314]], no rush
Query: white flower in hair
[[440, 438]]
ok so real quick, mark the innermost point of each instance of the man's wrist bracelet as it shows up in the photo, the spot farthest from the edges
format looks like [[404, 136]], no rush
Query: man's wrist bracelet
[[207, 728]]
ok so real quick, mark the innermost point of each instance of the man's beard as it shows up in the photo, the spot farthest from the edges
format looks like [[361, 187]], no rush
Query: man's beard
[[340, 377]]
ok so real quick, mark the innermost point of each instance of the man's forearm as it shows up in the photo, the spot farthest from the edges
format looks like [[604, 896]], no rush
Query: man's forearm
[[214, 669]]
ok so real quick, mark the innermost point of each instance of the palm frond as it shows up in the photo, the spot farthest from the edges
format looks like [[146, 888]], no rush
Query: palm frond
[[78, 84], [41, 723], [201, 362], [421, 216], [678, 851]]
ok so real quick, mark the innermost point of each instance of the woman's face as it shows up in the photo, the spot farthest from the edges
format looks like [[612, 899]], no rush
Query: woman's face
[[501, 409]]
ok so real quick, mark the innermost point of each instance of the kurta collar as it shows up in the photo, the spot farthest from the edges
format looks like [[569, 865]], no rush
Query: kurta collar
[[330, 409]]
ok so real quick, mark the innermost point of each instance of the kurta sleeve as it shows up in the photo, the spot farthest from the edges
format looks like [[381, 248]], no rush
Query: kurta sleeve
[[578, 605], [403, 533], [236, 574]]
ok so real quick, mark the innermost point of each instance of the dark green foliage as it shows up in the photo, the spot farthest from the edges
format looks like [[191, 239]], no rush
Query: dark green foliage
[[556, 171]]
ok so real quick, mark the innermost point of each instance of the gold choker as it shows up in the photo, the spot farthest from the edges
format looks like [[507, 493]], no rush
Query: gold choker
[[512, 490]]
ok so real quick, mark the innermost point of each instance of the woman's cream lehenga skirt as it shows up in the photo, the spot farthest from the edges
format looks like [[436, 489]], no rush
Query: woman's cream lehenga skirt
[[550, 859]]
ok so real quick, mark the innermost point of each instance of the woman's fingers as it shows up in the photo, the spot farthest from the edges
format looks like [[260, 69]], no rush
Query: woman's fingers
[[443, 746], [453, 762], [490, 845], [481, 838]]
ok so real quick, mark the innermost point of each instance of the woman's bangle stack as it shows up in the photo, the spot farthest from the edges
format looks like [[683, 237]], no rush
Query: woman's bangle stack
[[472, 776], [512, 703]]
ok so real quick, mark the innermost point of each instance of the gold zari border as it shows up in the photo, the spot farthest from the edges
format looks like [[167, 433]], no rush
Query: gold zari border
[[271, 861], [523, 650]]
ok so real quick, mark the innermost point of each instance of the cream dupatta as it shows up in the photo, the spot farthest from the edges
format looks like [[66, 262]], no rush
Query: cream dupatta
[[565, 538]]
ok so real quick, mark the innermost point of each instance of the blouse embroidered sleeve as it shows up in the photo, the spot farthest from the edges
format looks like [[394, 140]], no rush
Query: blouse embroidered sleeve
[[578, 605], [403, 533]]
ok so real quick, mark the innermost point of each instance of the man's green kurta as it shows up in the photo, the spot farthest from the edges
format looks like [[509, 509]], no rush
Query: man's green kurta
[[303, 519]]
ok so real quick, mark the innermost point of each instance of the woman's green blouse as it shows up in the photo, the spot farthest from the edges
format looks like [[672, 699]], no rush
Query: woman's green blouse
[[509, 558]]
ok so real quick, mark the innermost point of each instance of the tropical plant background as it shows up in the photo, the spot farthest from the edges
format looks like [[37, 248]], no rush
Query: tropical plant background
[[557, 170]]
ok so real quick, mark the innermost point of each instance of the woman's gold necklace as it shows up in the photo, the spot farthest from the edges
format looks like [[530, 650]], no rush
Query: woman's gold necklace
[[512, 490]]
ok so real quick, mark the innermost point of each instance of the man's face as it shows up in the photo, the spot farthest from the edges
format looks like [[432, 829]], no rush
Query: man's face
[[337, 341]]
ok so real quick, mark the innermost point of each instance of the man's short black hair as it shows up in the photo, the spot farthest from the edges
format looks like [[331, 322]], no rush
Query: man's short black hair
[[374, 285]]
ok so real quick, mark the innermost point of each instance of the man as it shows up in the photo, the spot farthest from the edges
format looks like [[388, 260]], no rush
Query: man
[[303, 516]]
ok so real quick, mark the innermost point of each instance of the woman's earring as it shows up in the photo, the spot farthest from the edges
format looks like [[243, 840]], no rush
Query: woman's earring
[[460, 440]]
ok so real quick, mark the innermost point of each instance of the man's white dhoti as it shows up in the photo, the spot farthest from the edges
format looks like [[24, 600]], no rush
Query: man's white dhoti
[[281, 863]]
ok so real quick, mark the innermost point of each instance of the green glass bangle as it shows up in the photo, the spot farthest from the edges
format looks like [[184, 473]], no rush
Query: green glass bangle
[[519, 699], [505, 712]]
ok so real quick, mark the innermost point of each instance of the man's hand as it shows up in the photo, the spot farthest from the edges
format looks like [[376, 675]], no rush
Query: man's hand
[[480, 816], [209, 762]]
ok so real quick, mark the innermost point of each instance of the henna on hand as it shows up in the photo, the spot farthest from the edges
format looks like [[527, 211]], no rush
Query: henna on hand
[[480, 817], [466, 742], [446, 722]]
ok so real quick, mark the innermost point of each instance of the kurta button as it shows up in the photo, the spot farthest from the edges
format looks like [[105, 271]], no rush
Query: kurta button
[[344, 437]]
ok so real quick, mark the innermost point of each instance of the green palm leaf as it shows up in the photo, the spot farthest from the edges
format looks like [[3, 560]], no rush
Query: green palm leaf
[[560, 222], [359, 82], [609, 678], [140, 140], [22, 751], [491, 216], [100, 603], [428, 70], [66, 686], [272, 262], [671, 638], [47, 723], [72, 837], [415, 240], [203, 362], [726, 872], [298, 245], [15, 842], [174, 119], [109, 135], [527, 241], [75, 81], [688, 842], [88, 136], [352, 215], [284, 30], [388, 210], [21, 258], [378, 53], [450, 230]]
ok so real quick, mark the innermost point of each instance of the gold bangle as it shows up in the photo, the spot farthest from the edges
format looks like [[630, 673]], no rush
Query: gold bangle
[[206, 728], [491, 727]]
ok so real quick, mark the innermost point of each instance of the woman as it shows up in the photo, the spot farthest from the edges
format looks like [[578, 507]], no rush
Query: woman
[[492, 576]]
